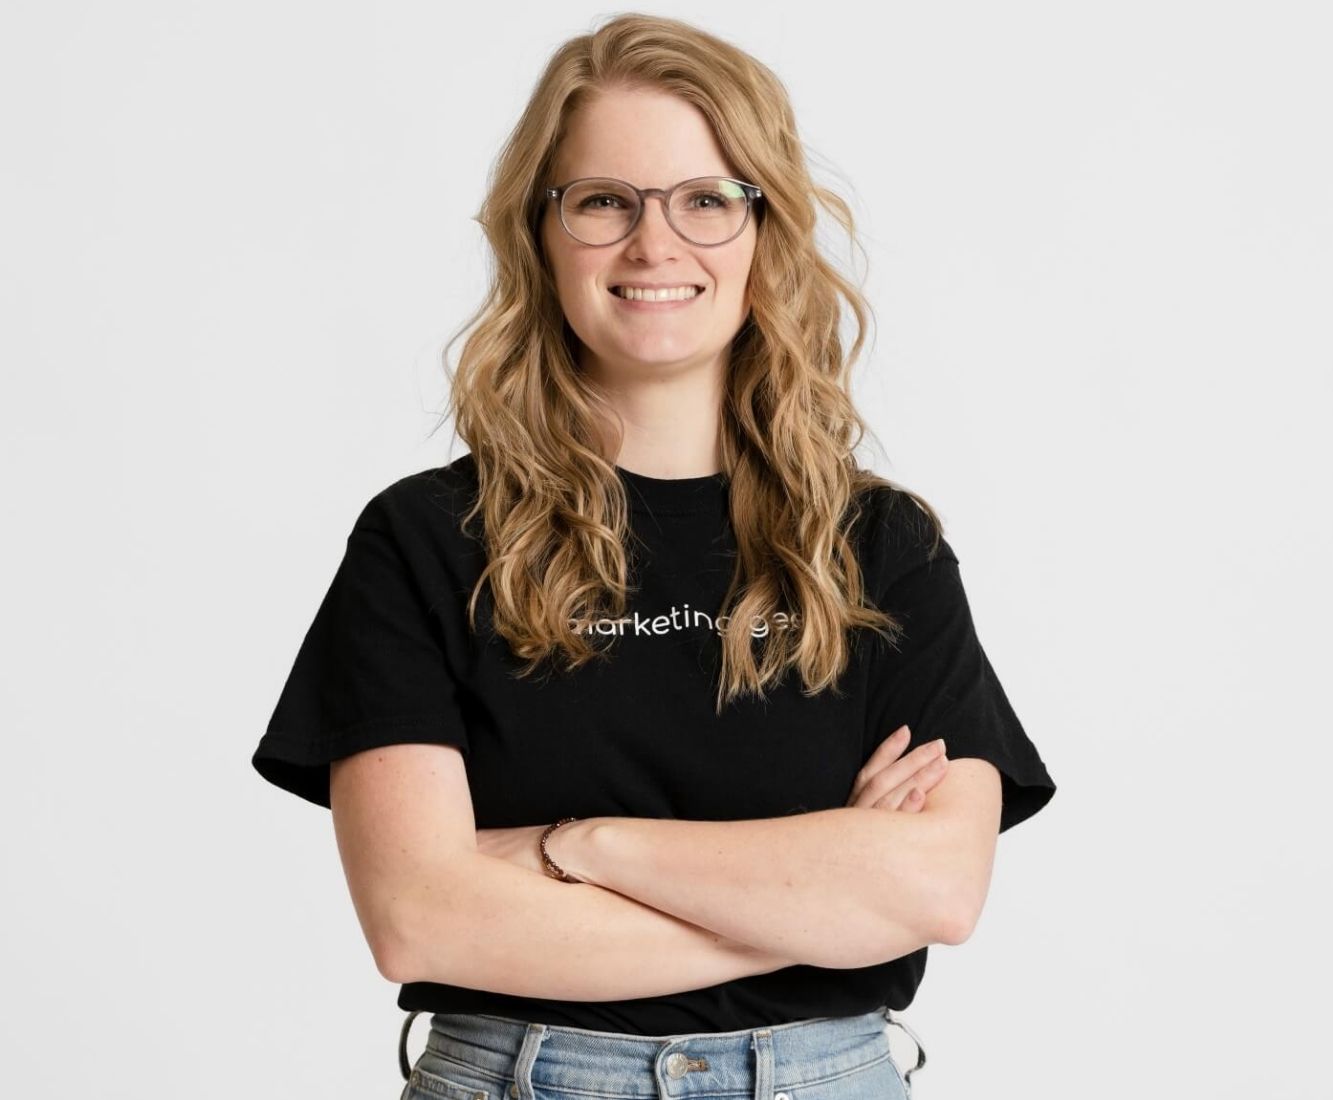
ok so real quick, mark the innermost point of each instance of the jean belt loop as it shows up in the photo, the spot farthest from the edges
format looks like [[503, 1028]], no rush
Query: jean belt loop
[[762, 1043], [920, 1050], [533, 1037], [403, 1063]]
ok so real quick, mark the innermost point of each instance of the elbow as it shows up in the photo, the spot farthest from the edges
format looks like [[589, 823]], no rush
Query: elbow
[[957, 925], [397, 952], [420, 940], [955, 929], [423, 933], [897, 940], [391, 958]]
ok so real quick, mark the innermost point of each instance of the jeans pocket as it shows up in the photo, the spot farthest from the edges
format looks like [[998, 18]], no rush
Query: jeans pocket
[[904, 1091], [878, 1079], [433, 1077]]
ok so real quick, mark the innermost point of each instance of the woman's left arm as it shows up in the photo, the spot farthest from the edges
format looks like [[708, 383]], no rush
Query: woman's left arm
[[840, 888]]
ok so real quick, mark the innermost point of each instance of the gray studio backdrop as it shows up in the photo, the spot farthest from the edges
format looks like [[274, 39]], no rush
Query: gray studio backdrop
[[235, 238]]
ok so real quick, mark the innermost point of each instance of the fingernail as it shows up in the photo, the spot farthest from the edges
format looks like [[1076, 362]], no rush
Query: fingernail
[[902, 729]]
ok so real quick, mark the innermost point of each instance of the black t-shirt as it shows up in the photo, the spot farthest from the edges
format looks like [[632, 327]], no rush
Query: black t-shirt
[[389, 658]]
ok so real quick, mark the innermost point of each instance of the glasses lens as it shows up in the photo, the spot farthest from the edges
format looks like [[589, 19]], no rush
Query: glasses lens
[[599, 211], [709, 210]]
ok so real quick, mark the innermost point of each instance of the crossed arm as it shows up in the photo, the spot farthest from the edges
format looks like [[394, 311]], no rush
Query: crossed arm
[[673, 905], [837, 888]]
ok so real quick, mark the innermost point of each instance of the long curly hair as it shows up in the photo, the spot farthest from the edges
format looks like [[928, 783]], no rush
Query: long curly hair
[[555, 514]]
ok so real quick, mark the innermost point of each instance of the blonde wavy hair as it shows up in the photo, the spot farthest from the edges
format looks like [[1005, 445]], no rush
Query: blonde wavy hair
[[555, 516]]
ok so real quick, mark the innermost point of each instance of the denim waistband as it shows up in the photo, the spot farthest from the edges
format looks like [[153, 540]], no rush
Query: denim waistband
[[583, 1060]]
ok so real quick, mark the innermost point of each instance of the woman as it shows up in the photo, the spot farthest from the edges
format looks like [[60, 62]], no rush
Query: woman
[[603, 708]]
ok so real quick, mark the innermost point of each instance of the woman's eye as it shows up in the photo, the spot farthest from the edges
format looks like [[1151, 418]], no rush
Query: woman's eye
[[598, 201], [708, 197]]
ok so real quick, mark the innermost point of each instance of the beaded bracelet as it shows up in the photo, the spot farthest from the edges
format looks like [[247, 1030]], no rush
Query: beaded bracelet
[[552, 868]]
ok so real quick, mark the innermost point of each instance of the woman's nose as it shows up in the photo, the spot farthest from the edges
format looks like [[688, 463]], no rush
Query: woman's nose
[[654, 233]]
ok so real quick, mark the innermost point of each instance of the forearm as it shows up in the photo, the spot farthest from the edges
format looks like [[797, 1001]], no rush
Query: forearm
[[835, 888], [489, 924]]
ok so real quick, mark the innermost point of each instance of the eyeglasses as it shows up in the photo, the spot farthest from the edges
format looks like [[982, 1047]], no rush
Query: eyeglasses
[[707, 210]]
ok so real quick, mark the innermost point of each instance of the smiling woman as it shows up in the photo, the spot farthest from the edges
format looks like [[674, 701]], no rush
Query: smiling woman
[[600, 233], [690, 846]]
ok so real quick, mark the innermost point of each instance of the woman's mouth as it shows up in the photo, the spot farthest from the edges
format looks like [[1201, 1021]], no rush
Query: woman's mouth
[[642, 298]]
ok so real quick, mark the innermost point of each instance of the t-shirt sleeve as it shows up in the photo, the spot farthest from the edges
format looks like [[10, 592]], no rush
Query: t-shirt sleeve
[[373, 669], [939, 681]]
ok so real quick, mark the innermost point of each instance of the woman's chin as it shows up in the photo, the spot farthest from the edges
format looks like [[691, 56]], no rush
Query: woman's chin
[[650, 357]]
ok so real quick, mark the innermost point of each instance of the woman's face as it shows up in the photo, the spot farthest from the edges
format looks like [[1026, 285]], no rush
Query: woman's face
[[648, 139]]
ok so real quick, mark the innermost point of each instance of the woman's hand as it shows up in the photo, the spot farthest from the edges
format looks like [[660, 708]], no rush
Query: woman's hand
[[888, 783], [518, 845]]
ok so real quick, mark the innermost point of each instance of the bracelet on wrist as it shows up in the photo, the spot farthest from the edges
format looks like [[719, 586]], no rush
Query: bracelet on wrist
[[549, 865]]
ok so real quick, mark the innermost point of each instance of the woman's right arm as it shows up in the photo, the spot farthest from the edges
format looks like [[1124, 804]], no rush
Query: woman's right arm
[[497, 926], [434, 909]]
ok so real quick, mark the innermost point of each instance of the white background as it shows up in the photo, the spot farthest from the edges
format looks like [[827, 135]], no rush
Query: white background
[[234, 239]]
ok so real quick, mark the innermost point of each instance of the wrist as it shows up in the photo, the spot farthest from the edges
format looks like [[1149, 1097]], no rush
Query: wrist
[[569, 846]]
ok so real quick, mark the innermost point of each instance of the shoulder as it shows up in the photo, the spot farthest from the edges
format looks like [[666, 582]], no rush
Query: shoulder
[[424, 517], [440, 496], [896, 532]]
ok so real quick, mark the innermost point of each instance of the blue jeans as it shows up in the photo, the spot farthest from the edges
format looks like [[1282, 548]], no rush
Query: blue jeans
[[475, 1056]]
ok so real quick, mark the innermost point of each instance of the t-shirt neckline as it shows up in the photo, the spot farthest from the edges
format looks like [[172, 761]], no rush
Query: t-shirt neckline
[[672, 496]]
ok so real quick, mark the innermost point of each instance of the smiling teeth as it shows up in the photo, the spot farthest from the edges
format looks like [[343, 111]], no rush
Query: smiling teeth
[[666, 294]]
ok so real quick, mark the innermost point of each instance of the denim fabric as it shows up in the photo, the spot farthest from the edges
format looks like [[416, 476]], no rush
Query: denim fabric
[[481, 1057]]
